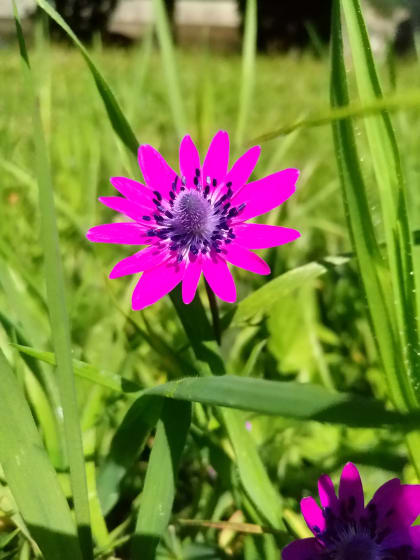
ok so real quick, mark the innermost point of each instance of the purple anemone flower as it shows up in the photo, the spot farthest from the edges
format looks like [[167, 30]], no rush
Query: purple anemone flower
[[344, 529], [195, 221]]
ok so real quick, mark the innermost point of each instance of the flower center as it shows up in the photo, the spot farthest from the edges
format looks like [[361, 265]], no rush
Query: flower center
[[357, 547], [192, 214]]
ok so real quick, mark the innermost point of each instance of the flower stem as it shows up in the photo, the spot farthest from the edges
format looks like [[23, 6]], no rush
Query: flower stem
[[214, 309]]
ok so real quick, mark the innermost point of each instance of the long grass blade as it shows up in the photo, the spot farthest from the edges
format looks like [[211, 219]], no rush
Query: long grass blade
[[58, 316], [159, 485], [116, 116], [249, 48], [40, 499]]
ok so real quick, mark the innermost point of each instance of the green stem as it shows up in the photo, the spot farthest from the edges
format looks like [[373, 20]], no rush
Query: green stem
[[214, 309]]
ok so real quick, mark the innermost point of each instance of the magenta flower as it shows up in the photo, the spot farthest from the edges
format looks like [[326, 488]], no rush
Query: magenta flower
[[344, 529], [196, 221]]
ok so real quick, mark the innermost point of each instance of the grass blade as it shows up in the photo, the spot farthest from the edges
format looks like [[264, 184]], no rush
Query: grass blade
[[159, 485], [301, 401], [58, 316], [116, 116], [41, 500], [392, 192], [170, 67], [373, 269], [249, 48]]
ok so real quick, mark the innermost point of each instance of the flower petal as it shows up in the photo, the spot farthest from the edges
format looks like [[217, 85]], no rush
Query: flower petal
[[219, 277], [125, 233], [396, 505], [261, 236], [305, 549], [124, 206], [143, 260], [404, 538], [326, 492], [242, 168], [216, 161], [133, 190], [313, 516], [265, 194], [239, 256], [191, 279], [189, 161], [350, 492], [156, 283], [157, 173]]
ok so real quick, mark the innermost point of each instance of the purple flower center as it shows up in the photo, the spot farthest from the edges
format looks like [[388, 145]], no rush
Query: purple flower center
[[357, 547], [197, 220]]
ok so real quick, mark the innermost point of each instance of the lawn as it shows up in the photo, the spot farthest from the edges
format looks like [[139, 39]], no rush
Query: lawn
[[314, 327]]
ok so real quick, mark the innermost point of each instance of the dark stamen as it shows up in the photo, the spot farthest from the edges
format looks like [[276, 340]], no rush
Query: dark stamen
[[147, 218], [157, 195]]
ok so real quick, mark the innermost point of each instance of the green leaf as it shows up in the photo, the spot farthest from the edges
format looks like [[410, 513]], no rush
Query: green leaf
[[116, 116], [40, 499], [260, 302], [127, 443], [58, 314], [301, 401], [159, 486], [102, 377]]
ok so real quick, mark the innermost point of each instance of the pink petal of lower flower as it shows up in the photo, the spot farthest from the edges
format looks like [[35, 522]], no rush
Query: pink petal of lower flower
[[124, 233], [157, 173], [326, 492], [143, 260], [156, 283], [265, 194], [124, 206], [312, 514], [261, 236], [191, 279], [350, 492], [189, 161], [242, 168], [239, 256], [217, 159], [219, 277], [305, 549]]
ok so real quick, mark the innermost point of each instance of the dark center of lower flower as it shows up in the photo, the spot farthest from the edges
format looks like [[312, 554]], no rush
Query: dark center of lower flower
[[357, 547]]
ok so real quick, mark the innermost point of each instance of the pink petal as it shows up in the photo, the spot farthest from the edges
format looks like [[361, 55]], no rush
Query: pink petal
[[239, 256], [156, 283], [219, 277], [261, 236], [189, 161], [217, 159], [265, 194], [242, 168], [125, 206], [350, 492], [305, 549], [143, 260], [312, 514], [133, 190], [123, 233], [157, 173], [326, 492], [396, 505], [404, 537], [191, 279]]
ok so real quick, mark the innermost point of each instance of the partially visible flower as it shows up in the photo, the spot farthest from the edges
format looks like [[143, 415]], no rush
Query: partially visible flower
[[344, 529], [194, 222]]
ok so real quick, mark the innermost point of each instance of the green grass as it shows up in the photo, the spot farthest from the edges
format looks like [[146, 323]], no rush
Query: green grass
[[331, 300]]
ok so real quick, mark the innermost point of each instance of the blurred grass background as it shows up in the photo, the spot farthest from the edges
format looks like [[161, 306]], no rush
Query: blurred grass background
[[319, 335]]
